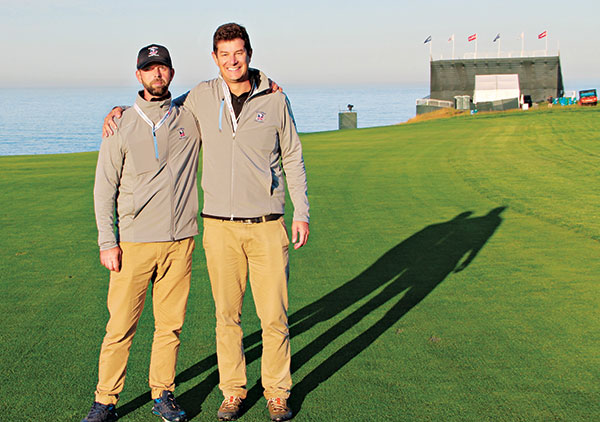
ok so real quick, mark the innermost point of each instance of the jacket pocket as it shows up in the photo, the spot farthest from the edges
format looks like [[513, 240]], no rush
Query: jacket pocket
[[143, 155], [285, 240]]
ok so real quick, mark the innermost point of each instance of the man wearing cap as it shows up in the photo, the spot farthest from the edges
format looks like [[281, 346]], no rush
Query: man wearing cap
[[146, 184]]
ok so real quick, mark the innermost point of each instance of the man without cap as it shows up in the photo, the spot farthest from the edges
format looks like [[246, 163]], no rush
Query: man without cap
[[249, 138], [146, 184]]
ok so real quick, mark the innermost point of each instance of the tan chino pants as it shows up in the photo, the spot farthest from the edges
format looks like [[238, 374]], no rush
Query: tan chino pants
[[169, 265], [232, 250]]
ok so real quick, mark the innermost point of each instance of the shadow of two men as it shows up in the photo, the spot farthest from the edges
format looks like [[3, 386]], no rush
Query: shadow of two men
[[406, 274]]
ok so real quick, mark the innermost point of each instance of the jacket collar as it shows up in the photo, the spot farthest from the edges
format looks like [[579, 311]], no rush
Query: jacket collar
[[153, 106], [260, 83]]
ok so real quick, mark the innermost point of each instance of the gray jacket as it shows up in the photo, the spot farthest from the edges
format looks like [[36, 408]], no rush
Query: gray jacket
[[242, 174], [150, 181]]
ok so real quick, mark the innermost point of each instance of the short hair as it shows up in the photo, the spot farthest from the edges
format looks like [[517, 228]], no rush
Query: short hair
[[230, 32]]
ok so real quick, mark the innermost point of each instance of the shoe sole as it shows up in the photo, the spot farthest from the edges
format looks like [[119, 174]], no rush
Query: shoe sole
[[166, 420], [110, 420], [229, 417], [285, 417]]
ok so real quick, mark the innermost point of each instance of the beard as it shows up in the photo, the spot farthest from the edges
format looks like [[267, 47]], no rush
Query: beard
[[157, 90]]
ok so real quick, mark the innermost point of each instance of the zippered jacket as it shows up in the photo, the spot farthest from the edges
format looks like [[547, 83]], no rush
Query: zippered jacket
[[146, 178], [243, 164]]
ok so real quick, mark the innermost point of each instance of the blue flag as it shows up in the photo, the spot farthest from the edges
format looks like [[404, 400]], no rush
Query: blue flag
[[497, 37], [428, 39]]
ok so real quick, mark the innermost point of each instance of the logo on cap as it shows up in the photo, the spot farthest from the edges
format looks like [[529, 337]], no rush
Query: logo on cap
[[153, 53]]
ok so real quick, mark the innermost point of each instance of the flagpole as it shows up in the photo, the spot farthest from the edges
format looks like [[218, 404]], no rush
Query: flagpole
[[499, 41], [452, 46], [428, 40], [522, 43], [546, 43], [475, 46]]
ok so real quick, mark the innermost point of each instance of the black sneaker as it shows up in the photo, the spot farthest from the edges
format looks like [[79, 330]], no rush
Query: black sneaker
[[230, 409], [101, 413], [167, 408]]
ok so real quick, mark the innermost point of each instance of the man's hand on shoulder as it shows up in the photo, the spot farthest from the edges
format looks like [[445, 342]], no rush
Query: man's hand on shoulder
[[111, 258], [110, 126], [299, 233], [274, 86]]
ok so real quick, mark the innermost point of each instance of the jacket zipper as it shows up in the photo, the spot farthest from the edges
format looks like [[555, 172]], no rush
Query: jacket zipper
[[172, 190], [234, 131]]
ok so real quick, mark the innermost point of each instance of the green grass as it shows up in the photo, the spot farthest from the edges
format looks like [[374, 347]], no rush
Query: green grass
[[451, 275]]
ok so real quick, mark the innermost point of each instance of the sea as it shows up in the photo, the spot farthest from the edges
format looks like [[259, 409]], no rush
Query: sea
[[66, 120]]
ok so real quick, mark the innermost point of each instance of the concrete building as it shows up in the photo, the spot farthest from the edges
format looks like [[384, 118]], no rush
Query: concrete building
[[539, 77]]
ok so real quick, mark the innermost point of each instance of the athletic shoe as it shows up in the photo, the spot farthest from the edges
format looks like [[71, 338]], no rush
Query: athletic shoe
[[278, 409], [167, 408], [230, 409], [101, 413]]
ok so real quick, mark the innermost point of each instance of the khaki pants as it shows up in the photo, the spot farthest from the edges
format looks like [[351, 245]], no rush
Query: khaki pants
[[233, 248], [169, 266]]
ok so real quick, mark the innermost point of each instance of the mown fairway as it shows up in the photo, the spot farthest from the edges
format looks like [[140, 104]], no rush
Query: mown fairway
[[451, 275]]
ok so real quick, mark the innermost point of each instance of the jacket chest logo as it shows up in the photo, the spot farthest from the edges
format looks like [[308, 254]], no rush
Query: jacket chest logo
[[181, 133], [260, 116]]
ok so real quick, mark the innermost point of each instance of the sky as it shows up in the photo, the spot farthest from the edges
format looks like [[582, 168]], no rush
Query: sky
[[63, 43]]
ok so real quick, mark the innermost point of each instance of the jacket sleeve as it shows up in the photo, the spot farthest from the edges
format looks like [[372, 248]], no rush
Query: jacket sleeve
[[293, 164], [182, 100], [108, 176], [189, 101]]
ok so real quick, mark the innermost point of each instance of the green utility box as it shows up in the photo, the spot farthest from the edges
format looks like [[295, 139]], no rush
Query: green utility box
[[347, 119]]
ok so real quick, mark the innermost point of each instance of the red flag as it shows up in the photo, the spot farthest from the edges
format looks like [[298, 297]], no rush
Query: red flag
[[542, 35], [472, 37]]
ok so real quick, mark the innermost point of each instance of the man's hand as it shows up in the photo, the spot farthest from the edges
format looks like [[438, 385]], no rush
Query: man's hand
[[109, 121], [274, 86], [299, 233], [111, 258]]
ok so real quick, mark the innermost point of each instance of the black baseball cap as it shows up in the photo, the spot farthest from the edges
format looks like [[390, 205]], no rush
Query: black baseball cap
[[153, 53]]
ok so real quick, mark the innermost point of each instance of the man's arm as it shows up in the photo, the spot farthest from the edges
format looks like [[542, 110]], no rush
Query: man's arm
[[293, 164], [109, 127], [108, 176], [180, 101]]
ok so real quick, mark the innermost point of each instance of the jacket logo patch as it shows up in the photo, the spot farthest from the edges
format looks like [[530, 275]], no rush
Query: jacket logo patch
[[181, 133], [260, 116]]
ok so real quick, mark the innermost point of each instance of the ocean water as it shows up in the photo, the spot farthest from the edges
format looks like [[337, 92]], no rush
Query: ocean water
[[63, 120]]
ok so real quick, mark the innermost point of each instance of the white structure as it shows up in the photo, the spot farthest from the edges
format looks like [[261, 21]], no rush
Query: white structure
[[490, 88]]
